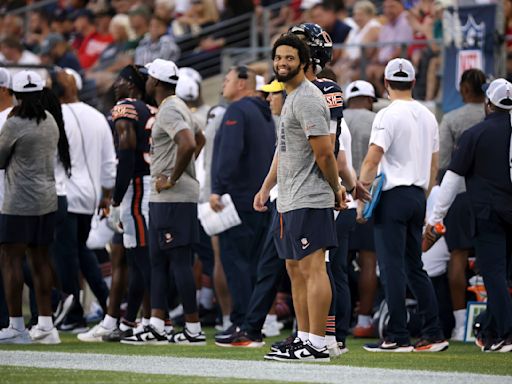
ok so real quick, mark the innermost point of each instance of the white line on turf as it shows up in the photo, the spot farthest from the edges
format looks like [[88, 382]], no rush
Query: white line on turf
[[238, 369]]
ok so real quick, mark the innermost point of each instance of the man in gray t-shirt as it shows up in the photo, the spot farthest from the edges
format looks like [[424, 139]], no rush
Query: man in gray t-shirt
[[305, 170], [173, 224]]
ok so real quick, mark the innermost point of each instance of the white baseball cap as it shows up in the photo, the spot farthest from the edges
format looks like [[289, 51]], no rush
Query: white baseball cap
[[499, 93], [190, 72], [359, 88], [187, 88], [163, 70], [399, 70], [5, 78], [27, 81]]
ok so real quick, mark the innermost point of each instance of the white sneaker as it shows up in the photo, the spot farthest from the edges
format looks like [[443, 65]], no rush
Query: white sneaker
[[458, 334], [41, 336], [271, 328], [11, 335], [334, 350], [95, 334]]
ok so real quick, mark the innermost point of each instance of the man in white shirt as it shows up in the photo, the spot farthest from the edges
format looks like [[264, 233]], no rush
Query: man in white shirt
[[93, 164], [404, 145]]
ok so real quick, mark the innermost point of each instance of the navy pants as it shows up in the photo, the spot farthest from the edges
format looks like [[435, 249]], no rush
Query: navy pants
[[271, 270], [240, 249], [399, 218], [493, 246], [71, 256], [345, 223]]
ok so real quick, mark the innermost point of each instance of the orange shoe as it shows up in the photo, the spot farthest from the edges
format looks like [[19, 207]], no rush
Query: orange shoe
[[363, 332]]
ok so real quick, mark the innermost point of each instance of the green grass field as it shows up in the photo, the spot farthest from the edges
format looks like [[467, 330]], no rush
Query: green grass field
[[459, 357]]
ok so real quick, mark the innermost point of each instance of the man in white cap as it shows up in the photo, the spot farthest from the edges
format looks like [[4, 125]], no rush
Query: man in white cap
[[482, 160], [359, 99], [173, 224], [28, 144], [404, 145]]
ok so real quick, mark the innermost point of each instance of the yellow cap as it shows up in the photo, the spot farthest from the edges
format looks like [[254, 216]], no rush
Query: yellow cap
[[274, 86]]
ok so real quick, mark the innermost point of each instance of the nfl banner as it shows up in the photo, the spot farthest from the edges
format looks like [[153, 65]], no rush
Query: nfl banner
[[469, 42]]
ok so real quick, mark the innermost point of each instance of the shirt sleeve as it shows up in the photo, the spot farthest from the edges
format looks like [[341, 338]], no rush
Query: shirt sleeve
[[464, 153], [172, 122], [125, 110], [108, 159], [7, 141], [313, 115], [446, 143], [382, 132], [227, 150], [435, 147]]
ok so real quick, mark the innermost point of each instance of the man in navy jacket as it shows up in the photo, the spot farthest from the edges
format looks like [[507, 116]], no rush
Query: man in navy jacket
[[243, 151]]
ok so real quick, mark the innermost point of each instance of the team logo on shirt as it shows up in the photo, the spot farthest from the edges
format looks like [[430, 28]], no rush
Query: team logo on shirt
[[334, 100]]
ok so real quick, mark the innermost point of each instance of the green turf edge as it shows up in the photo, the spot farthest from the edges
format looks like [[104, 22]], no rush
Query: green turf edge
[[460, 357], [19, 375]]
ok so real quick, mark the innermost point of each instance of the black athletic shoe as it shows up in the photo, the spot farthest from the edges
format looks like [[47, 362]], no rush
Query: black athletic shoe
[[227, 333], [148, 335], [187, 338], [301, 352], [388, 346], [240, 339], [278, 345], [117, 335]]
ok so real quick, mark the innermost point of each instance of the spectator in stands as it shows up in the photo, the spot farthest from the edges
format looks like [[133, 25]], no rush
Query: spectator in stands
[[13, 52], [116, 56], [62, 24], [157, 44], [324, 14], [125, 6], [165, 10], [139, 21], [396, 29], [202, 13], [12, 26], [55, 51], [92, 43], [38, 29], [420, 18]]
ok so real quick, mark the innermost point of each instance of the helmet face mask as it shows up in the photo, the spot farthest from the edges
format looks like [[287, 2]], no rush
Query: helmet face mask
[[318, 41]]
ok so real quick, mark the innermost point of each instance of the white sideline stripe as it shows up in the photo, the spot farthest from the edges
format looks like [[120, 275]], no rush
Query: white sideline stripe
[[239, 369]]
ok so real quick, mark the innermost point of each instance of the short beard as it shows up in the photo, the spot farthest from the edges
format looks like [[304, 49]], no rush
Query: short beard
[[289, 76]]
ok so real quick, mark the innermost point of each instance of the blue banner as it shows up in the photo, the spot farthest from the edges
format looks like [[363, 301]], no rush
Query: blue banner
[[469, 42]]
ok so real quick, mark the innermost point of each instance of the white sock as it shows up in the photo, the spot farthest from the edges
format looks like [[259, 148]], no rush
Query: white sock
[[304, 336], [157, 323], [193, 328], [45, 323], [226, 321], [206, 297], [17, 323], [330, 340], [145, 321], [109, 322], [271, 319], [460, 317], [364, 320], [317, 341], [123, 327]]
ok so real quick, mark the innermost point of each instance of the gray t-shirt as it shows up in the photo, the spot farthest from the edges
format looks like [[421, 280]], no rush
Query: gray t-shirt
[[27, 153], [172, 117], [453, 124], [300, 181], [359, 123]]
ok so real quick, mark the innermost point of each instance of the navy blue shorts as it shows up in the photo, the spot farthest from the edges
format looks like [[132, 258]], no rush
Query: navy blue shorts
[[31, 230], [361, 239], [301, 232], [117, 239], [458, 222], [173, 225]]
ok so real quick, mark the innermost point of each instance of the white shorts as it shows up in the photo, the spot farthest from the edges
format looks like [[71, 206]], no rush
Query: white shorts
[[135, 212]]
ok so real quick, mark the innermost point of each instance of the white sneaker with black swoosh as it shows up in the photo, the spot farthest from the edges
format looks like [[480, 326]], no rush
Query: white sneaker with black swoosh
[[305, 352], [149, 335], [187, 338]]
